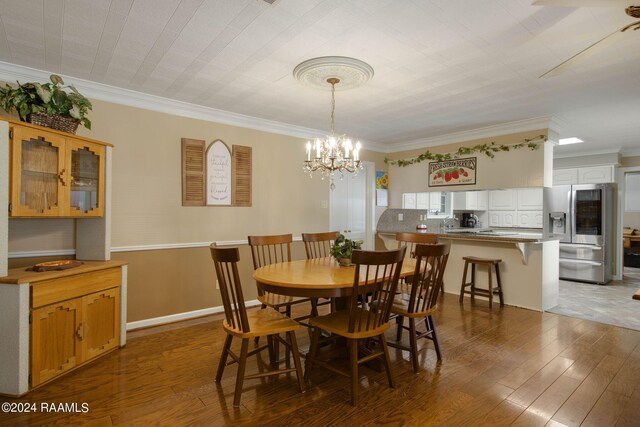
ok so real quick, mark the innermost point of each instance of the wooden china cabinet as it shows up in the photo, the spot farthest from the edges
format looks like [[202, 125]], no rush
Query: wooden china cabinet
[[54, 174], [59, 320]]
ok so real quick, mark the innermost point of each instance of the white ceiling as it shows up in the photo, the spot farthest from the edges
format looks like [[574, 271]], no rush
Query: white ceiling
[[441, 66]]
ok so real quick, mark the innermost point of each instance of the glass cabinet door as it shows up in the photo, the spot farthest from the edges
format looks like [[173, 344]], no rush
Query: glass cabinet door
[[38, 173], [87, 163]]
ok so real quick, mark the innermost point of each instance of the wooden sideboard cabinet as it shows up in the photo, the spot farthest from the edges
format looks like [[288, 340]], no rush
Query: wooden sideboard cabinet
[[55, 174], [75, 316]]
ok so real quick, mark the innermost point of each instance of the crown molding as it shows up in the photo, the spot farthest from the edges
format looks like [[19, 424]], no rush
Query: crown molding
[[11, 72], [484, 132], [585, 153]]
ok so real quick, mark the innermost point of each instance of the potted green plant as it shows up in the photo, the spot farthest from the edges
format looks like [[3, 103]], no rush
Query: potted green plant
[[47, 104], [343, 248]]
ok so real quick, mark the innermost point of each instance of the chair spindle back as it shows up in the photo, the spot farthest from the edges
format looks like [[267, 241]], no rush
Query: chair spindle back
[[377, 274], [267, 250], [226, 264], [427, 281], [318, 245], [410, 240]]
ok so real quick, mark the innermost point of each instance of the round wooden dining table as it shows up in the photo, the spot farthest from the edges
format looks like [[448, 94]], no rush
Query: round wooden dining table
[[316, 278]]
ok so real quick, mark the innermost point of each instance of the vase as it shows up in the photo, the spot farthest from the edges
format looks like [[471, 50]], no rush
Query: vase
[[344, 262]]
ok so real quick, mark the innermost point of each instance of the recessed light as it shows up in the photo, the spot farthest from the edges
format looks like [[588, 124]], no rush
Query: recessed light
[[567, 141]]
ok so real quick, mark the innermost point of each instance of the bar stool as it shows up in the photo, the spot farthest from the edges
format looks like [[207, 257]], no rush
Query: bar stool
[[483, 292]]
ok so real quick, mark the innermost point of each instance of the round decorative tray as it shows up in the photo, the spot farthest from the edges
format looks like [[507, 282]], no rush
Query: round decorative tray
[[55, 265]]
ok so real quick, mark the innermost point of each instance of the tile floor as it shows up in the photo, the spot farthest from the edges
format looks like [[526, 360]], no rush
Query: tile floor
[[611, 303]]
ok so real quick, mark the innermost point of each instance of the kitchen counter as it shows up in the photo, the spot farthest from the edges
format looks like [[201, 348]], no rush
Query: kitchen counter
[[480, 235], [529, 268]]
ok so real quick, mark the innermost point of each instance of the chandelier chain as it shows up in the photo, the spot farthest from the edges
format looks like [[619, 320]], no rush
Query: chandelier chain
[[333, 107]]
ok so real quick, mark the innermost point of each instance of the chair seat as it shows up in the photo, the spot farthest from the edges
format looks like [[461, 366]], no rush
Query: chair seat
[[338, 323], [266, 321], [476, 260], [275, 300], [400, 306]]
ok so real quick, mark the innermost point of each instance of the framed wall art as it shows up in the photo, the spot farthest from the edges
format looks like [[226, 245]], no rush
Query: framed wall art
[[453, 172]]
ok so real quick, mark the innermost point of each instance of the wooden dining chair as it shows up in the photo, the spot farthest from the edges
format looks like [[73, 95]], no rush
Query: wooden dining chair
[[246, 325], [318, 245], [410, 240], [377, 273], [420, 304], [266, 250]]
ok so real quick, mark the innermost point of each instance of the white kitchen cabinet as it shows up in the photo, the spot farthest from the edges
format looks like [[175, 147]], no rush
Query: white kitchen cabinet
[[529, 199], [435, 201], [483, 200], [595, 174], [470, 200], [585, 175], [422, 201], [503, 219], [495, 218], [409, 200], [503, 200], [530, 219], [565, 176]]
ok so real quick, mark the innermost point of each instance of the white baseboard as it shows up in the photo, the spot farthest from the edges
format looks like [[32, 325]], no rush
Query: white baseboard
[[182, 316]]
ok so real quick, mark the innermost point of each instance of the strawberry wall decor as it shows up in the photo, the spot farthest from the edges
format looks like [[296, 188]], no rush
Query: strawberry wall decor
[[488, 149], [453, 172]]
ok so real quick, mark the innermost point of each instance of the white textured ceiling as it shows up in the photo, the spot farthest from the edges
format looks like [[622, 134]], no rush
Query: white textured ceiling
[[441, 66]]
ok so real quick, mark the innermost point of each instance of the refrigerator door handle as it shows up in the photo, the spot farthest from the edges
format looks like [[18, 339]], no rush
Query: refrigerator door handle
[[582, 246], [578, 261]]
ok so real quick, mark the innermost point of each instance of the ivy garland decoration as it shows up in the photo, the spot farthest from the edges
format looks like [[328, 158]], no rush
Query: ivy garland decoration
[[488, 149]]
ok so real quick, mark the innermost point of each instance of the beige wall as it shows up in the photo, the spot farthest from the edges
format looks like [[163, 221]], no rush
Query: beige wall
[[147, 207], [628, 162], [513, 169]]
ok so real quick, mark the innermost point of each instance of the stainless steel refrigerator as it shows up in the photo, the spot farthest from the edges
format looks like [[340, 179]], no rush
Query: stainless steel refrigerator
[[581, 216]]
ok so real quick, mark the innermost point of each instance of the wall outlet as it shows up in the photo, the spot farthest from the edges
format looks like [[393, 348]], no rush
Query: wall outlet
[[324, 204], [217, 284], [400, 217]]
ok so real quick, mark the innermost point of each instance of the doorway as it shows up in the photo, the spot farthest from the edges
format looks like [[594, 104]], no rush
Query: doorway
[[352, 205]]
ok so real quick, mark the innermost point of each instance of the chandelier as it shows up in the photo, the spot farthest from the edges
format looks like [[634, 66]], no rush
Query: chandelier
[[333, 153]]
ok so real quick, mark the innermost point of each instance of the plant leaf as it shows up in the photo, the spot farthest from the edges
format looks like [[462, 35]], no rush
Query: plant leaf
[[56, 79], [43, 93]]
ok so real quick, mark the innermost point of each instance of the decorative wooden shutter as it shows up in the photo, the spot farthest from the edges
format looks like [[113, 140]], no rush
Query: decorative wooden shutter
[[193, 172], [241, 175]]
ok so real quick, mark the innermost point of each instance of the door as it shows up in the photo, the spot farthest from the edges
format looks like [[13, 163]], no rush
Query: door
[[100, 329], [588, 203], [565, 176], [54, 347], [502, 200], [85, 183], [509, 219], [348, 206], [557, 201], [495, 219], [530, 199], [38, 176]]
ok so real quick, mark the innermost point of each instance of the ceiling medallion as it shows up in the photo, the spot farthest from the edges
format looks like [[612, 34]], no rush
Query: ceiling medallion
[[315, 72]]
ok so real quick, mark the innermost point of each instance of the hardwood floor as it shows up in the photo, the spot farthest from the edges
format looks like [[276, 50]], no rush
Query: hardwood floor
[[506, 367]]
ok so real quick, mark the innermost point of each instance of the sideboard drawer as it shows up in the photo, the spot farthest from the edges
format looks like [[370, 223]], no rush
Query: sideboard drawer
[[65, 288]]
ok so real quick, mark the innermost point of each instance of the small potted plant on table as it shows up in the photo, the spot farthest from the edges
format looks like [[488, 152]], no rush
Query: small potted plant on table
[[343, 248], [47, 104]]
